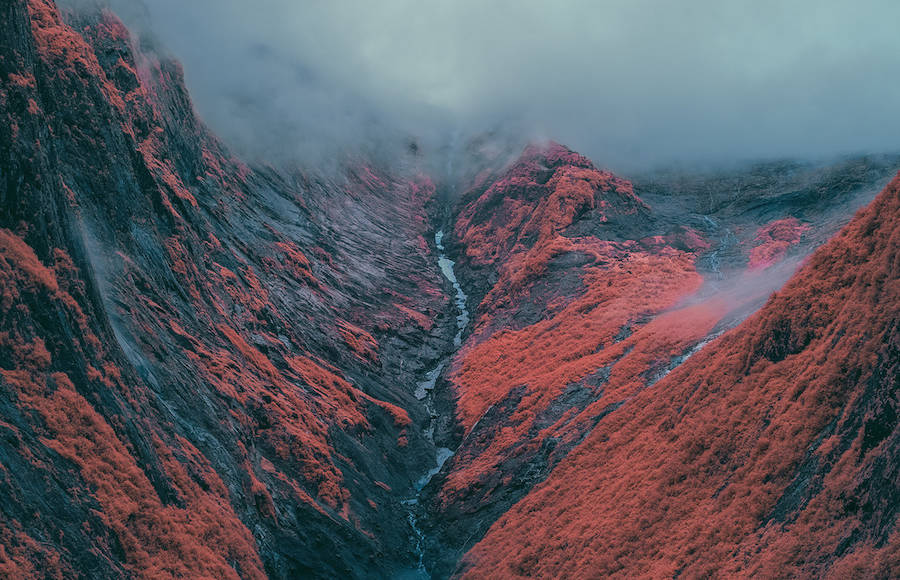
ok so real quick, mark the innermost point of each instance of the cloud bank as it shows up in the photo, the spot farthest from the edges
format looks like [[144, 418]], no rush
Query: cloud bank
[[631, 83]]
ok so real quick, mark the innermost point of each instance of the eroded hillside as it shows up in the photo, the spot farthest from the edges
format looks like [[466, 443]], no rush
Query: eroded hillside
[[213, 369], [203, 364], [588, 290]]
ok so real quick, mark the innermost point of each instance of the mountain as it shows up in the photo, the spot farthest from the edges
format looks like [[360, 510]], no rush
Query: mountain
[[772, 452], [200, 360], [525, 366], [588, 290]]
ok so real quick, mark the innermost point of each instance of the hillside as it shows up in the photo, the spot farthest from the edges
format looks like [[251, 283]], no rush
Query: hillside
[[198, 358], [772, 452], [475, 361]]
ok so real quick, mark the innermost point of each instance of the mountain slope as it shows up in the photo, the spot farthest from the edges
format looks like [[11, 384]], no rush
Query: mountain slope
[[210, 369], [207, 369], [772, 452], [587, 294]]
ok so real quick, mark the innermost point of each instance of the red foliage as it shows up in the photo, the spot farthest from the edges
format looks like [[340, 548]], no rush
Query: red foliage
[[159, 541], [363, 344], [21, 556], [19, 255], [203, 538], [422, 320], [689, 477], [773, 240], [165, 174], [22, 80], [624, 284], [240, 326], [563, 349], [294, 432], [639, 286], [254, 356], [297, 262], [523, 214]]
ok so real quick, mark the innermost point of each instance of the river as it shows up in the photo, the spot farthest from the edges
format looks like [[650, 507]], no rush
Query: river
[[425, 393]]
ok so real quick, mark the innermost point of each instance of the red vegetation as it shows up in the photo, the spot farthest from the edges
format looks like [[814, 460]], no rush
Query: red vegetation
[[619, 309], [17, 254], [768, 454], [296, 262], [201, 359], [204, 537], [577, 341], [773, 241], [422, 320], [360, 342], [218, 368], [21, 556], [159, 541], [516, 225], [622, 285]]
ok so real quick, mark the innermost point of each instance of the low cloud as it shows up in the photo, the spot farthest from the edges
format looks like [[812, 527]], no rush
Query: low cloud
[[631, 83]]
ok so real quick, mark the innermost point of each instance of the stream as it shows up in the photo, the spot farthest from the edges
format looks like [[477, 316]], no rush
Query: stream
[[425, 392]]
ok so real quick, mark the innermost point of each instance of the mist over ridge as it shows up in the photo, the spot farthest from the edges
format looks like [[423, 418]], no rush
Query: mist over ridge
[[630, 84]]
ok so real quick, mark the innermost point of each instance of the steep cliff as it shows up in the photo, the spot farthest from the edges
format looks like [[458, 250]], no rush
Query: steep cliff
[[588, 290], [206, 369]]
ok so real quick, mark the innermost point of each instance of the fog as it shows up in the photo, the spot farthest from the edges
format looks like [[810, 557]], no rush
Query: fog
[[630, 83]]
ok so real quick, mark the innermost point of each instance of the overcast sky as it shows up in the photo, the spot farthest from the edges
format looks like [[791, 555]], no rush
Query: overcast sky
[[631, 83]]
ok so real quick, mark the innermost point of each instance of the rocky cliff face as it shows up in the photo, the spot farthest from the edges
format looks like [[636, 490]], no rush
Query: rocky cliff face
[[209, 369], [204, 366]]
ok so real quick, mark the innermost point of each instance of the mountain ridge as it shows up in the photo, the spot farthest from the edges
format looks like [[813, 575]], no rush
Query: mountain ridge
[[209, 368]]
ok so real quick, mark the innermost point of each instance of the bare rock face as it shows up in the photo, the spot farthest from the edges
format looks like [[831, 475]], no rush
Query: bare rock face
[[209, 369]]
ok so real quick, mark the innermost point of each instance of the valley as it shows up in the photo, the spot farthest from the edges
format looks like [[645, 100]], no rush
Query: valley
[[518, 365], [425, 393]]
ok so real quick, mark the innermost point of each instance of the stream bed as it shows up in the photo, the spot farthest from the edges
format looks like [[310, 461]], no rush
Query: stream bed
[[425, 393]]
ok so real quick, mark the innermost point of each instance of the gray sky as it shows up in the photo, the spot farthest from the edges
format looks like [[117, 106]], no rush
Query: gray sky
[[631, 83]]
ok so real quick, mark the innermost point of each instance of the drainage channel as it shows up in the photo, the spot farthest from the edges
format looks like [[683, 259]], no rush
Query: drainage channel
[[425, 393]]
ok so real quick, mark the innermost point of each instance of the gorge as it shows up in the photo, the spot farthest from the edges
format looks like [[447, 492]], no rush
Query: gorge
[[526, 366]]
